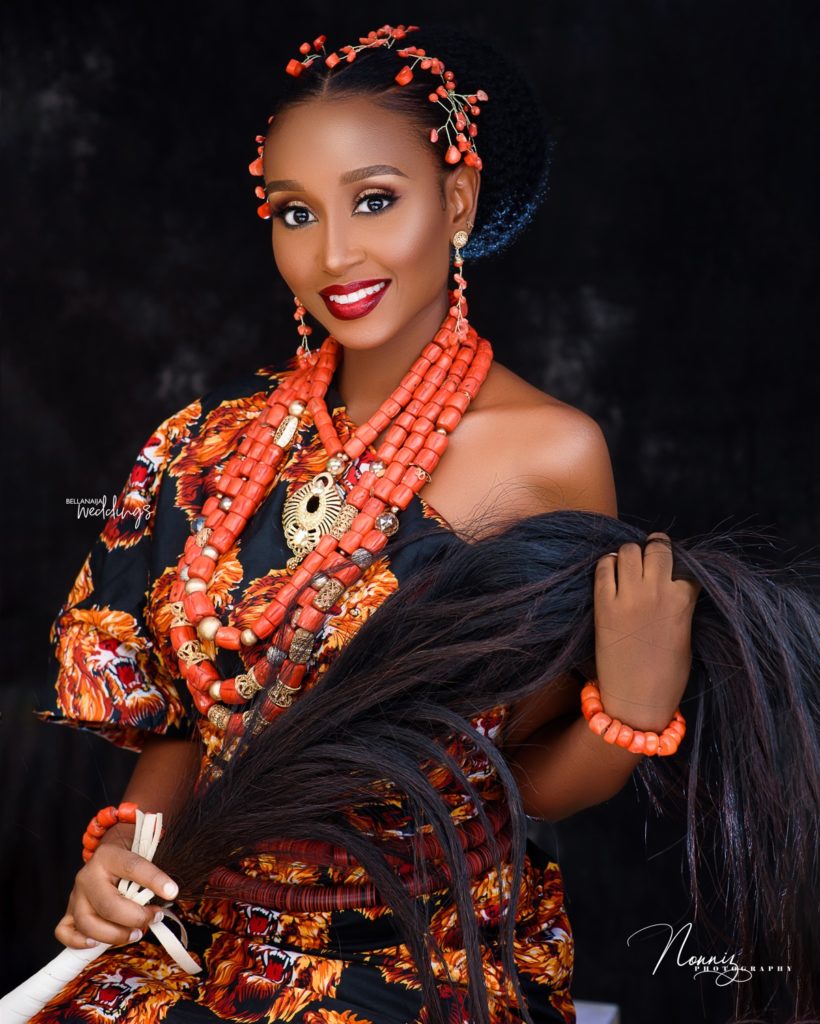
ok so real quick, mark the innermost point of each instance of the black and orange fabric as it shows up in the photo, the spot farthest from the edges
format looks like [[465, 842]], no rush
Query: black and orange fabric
[[113, 672]]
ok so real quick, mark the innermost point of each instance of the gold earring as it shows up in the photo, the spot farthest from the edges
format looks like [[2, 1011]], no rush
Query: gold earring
[[459, 310]]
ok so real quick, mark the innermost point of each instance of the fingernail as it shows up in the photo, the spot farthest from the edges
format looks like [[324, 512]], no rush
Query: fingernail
[[158, 916], [170, 889], [91, 942], [135, 934]]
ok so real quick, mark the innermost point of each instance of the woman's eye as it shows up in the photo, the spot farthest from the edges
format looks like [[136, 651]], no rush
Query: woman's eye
[[376, 202], [300, 215]]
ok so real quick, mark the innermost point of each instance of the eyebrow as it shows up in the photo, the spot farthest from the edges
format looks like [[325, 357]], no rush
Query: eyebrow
[[289, 185]]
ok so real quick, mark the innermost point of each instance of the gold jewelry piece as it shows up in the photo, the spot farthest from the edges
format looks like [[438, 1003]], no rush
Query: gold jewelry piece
[[247, 685], [308, 513], [283, 695], [191, 653]]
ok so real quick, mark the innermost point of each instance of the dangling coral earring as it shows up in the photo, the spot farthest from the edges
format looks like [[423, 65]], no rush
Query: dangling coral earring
[[459, 310], [303, 329]]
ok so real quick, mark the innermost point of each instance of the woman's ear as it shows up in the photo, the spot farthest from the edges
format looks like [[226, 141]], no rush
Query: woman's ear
[[461, 188]]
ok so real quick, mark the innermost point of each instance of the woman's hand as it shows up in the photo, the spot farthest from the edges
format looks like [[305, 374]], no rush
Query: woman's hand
[[96, 909], [643, 633]]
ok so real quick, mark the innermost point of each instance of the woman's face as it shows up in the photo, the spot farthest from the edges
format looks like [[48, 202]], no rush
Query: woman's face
[[358, 198]]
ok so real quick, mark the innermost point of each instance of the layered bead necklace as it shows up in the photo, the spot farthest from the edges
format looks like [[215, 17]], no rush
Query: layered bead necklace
[[334, 536]]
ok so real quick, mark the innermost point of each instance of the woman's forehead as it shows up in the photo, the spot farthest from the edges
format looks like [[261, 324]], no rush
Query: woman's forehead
[[343, 135]]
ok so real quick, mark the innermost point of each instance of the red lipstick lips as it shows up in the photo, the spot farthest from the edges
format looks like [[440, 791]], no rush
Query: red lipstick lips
[[347, 310]]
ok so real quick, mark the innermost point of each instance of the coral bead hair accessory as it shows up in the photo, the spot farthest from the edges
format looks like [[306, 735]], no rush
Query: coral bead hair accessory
[[636, 741], [458, 129]]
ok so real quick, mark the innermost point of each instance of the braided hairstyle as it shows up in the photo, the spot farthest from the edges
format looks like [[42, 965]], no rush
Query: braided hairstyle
[[513, 139]]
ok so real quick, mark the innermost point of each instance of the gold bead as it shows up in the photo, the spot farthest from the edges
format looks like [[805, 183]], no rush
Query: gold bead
[[248, 637], [335, 465], [327, 595], [460, 239], [208, 626], [301, 646], [247, 685], [219, 716]]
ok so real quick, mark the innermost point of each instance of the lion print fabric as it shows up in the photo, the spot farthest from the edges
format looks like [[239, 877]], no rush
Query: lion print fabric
[[113, 672]]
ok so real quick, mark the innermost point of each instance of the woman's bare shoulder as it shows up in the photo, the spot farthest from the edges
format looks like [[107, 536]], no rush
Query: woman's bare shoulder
[[519, 451], [534, 428]]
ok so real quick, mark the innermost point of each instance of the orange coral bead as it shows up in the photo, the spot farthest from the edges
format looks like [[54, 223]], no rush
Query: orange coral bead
[[666, 746], [294, 67], [651, 743], [638, 744], [128, 813], [591, 706], [405, 76], [625, 736], [600, 723], [108, 816], [228, 637], [453, 155], [610, 734]]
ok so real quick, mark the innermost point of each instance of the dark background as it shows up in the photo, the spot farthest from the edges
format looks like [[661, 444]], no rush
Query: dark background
[[667, 287]]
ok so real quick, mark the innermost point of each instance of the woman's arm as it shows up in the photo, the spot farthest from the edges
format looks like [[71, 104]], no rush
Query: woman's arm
[[642, 656], [162, 780]]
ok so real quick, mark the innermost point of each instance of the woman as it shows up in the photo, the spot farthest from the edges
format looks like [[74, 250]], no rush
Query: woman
[[367, 201]]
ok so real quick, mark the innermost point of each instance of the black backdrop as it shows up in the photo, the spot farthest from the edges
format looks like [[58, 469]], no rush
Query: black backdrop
[[667, 287]]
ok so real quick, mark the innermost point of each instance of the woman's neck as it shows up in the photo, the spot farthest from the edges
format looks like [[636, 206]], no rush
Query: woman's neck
[[366, 377]]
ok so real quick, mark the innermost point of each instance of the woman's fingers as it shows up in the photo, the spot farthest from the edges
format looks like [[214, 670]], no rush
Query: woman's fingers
[[87, 922], [68, 933], [120, 863], [657, 557], [605, 584]]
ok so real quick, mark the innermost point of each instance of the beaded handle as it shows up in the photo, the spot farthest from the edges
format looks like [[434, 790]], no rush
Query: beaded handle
[[636, 741]]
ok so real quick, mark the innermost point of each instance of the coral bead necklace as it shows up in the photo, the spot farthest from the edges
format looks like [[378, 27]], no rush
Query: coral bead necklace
[[334, 536]]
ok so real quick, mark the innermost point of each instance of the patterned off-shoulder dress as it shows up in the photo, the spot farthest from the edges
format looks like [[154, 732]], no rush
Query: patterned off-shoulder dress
[[113, 672]]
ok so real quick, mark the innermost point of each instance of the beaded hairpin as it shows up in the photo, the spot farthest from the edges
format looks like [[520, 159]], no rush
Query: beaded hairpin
[[460, 107]]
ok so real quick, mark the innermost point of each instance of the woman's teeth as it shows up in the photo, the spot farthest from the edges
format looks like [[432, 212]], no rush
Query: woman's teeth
[[357, 296]]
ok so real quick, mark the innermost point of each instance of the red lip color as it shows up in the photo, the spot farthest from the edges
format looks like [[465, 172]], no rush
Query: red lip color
[[353, 310]]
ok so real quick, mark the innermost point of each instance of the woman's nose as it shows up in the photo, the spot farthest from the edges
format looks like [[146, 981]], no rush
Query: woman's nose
[[340, 248]]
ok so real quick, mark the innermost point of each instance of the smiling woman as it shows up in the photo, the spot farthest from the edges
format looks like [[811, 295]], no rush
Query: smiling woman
[[346, 799]]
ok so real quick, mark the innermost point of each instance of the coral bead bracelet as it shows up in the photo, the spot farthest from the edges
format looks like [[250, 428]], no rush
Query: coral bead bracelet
[[636, 741], [102, 821]]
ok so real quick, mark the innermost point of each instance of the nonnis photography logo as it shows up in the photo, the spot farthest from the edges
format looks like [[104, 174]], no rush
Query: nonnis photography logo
[[87, 507], [670, 946]]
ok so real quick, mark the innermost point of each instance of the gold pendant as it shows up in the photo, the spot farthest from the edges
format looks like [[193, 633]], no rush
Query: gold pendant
[[308, 513]]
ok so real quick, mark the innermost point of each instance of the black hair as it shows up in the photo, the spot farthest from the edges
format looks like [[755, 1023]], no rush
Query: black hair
[[513, 141], [503, 617]]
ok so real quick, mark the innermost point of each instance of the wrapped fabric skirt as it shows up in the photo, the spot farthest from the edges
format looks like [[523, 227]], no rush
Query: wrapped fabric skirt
[[329, 967]]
